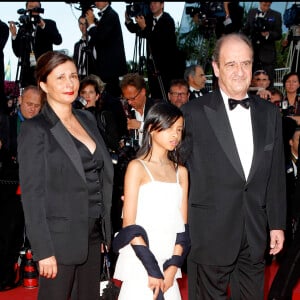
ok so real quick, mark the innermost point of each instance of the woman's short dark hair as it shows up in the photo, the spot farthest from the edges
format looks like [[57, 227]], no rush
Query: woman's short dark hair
[[288, 75], [160, 116], [89, 81]]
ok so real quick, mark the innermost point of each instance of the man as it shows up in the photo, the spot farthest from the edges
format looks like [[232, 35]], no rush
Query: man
[[4, 32], [82, 54], [260, 84], [179, 92], [134, 94], [237, 185], [11, 212], [164, 61], [196, 79], [261, 79], [32, 40], [264, 26], [107, 39]]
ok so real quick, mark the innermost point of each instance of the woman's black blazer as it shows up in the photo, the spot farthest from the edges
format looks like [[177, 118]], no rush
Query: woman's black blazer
[[54, 188]]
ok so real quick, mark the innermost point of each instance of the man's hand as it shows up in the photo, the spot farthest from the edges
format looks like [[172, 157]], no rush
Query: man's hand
[[48, 267], [141, 21], [276, 241], [90, 18], [12, 28]]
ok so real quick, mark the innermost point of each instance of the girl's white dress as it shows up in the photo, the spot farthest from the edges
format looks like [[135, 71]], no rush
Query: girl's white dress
[[158, 212]]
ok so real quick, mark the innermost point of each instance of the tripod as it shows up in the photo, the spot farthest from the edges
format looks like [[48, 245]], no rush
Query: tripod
[[139, 63]]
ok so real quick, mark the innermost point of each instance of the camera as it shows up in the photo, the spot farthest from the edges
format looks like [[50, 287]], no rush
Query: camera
[[135, 9], [84, 6], [27, 17], [192, 10], [261, 25]]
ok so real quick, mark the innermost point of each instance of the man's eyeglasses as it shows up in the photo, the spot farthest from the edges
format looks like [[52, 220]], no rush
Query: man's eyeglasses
[[175, 94], [132, 98]]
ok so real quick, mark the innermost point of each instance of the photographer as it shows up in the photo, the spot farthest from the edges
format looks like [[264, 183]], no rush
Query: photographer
[[264, 27], [3, 39], [35, 36], [107, 39], [293, 40], [163, 56], [83, 54]]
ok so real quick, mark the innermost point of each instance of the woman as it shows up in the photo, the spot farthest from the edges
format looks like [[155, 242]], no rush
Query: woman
[[66, 182], [91, 90], [155, 209], [290, 105]]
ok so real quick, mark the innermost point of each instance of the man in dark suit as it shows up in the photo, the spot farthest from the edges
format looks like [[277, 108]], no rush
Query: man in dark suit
[[83, 54], [164, 61], [237, 185], [32, 40], [196, 79], [107, 39], [4, 32], [264, 26]]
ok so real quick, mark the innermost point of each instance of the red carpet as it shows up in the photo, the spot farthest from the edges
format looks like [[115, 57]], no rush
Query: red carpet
[[21, 293]]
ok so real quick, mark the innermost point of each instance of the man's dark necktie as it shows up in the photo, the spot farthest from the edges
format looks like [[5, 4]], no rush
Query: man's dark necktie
[[233, 103]]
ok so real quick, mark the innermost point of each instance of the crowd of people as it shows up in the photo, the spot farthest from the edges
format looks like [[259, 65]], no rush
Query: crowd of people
[[161, 170]]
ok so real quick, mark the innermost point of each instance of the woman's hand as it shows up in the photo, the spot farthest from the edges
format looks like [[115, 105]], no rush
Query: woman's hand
[[169, 275], [155, 284], [48, 267]]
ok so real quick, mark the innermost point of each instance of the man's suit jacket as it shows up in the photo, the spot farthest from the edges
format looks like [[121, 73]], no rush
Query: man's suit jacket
[[107, 39], [223, 204], [193, 93], [54, 188], [264, 49]]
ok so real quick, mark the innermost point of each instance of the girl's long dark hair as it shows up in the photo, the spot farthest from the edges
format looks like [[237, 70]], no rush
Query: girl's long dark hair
[[160, 116]]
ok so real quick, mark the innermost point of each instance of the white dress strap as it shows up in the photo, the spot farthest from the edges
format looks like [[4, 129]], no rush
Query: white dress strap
[[147, 170]]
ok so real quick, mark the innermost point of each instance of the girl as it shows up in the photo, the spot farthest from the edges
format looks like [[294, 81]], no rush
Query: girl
[[155, 211]]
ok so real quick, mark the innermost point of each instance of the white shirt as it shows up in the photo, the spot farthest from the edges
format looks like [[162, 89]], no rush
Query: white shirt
[[241, 126], [139, 131]]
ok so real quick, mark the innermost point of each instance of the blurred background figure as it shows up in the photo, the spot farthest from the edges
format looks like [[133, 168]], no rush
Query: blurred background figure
[[290, 105], [164, 60], [195, 77], [234, 17], [179, 92], [83, 54], [12, 235], [34, 37], [107, 39], [4, 33], [264, 27]]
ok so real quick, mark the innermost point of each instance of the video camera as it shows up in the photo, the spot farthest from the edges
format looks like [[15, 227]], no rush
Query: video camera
[[27, 17], [135, 9], [84, 6], [261, 25]]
